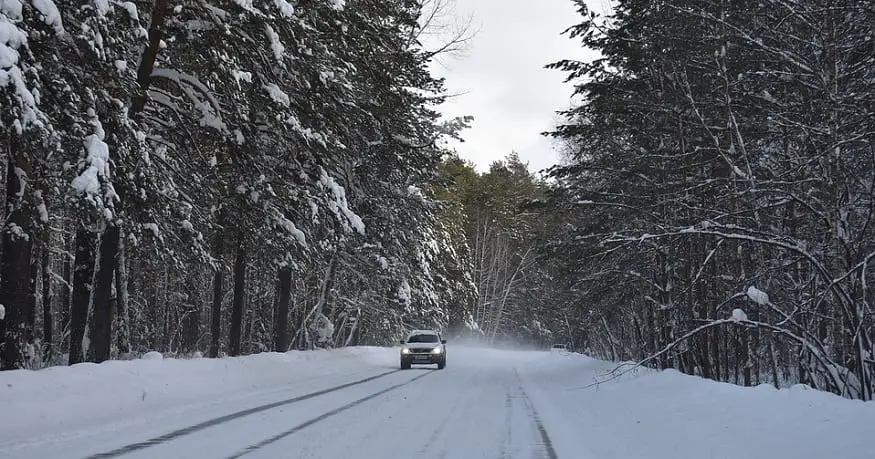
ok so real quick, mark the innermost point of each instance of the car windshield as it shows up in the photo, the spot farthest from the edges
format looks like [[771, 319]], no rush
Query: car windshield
[[423, 338]]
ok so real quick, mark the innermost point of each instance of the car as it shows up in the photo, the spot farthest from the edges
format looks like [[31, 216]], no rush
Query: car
[[559, 349], [423, 347]]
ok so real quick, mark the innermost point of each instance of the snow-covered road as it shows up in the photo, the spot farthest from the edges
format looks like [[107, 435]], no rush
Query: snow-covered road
[[420, 413], [476, 407], [356, 404]]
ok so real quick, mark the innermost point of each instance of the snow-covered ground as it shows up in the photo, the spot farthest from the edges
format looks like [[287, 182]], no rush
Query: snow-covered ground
[[353, 404], [671, 415]]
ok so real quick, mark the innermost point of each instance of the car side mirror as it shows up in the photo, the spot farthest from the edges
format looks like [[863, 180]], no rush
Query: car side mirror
[[402, 342], [443, 341]]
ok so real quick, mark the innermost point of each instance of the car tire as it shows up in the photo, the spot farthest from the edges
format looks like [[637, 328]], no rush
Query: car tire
[[441, 364], [405, 365]]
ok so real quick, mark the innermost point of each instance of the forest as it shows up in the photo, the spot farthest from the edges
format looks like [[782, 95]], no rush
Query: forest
[[221, 177], [240, 176], [719, 189]]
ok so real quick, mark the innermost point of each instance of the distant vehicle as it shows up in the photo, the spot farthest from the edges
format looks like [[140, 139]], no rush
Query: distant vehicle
[[559, 349], [423, 347]]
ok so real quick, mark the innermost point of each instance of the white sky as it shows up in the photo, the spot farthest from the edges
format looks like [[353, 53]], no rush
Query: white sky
[[502, 81]]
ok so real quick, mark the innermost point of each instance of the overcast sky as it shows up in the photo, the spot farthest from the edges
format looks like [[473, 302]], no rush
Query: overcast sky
[[502, 80]]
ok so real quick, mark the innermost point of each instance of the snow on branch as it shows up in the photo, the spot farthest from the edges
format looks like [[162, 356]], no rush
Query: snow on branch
[[290, 228], [744, 234], [739, 234], [739, 318], [758, 296], [96, 173], [209, 107], [50, 14], [12, 41], [339, 204], [277, 95], [245, 4], [131, 9], [275, 44], [102, 6], [788, 56], [285, 7], [308, 134]]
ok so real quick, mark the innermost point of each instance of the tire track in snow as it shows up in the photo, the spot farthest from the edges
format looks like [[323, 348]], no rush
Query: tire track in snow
[[459, 403], [322, 417], [505, 447], [230, 417], [546, 443]]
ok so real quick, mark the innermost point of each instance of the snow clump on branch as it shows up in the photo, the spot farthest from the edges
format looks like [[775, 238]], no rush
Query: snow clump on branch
[[758, 296]]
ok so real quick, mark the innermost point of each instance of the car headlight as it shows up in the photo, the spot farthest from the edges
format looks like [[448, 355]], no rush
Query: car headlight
[[404, 350], [436, 350]]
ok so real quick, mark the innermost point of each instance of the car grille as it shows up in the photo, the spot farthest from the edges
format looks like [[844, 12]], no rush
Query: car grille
[[420, 351]]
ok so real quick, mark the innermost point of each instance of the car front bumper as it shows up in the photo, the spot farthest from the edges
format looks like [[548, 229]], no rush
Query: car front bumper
[[424, 359]]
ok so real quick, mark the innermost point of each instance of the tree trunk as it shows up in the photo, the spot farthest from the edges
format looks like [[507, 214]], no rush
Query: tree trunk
[[773, 361], [191, 319], [122, 318], [165, 311], [83, 272], [101, 331], [705, 355], [218, 281], [239, 295], [66, 293], [101, 321], [190, 326], [32, 302], [327, 285], [216, 312], [748, 359], [715, 354], [100, 325], [281, 331], [150, 54], [48, 317], [154, 316], [5, 157], [15, 267]]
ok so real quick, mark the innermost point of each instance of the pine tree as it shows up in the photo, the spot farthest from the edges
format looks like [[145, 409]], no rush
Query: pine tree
[[690, 174]]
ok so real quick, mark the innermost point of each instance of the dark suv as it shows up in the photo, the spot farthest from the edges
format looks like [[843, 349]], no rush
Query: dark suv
[[423, 347]]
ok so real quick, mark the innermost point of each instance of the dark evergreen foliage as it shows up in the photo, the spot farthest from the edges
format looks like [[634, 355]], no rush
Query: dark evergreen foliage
[[724, 149], [259, 157]]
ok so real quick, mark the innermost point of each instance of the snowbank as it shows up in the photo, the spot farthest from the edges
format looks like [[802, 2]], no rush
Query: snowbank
[[668, 414], [90, 396]]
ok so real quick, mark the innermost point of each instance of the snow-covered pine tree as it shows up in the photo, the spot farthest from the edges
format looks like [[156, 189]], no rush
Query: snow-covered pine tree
[[190, 137], [712, 154], [29, 139]]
